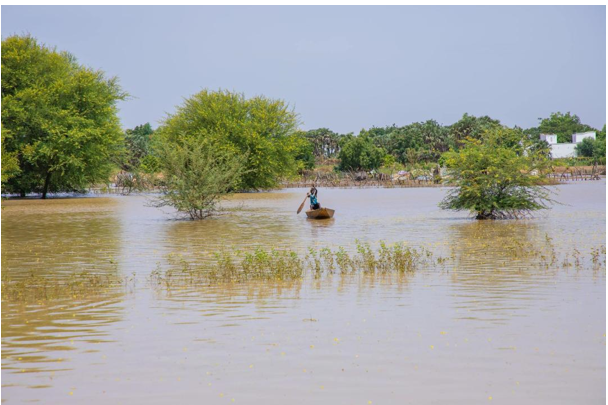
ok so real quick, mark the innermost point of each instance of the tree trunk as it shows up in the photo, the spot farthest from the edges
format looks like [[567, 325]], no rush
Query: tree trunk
[[47, 180]]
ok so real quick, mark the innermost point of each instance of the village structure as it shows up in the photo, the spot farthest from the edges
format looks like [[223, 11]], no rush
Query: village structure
[[565, 150]]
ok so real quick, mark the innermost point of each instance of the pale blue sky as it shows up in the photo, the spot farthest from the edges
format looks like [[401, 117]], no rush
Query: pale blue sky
[[344, 68]]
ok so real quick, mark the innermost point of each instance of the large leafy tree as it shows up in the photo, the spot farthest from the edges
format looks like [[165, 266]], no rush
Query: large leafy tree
[[473, 127], [262, 129], [360, 153], [325, 142], [499, 176], [426, 140], [62, 117], [563, 125]]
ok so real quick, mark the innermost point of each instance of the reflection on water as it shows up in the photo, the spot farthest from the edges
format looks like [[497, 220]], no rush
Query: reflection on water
[[61, 237], [491, 322]]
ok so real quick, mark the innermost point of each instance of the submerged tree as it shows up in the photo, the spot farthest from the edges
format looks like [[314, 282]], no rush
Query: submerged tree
[[499, 176], [62, 117], [196, 176]]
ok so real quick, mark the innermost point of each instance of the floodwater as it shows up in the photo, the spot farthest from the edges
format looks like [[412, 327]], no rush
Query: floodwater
[[487, 327]]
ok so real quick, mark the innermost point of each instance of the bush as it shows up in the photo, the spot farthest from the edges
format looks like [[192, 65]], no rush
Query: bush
[[196, 176], [499, 176]]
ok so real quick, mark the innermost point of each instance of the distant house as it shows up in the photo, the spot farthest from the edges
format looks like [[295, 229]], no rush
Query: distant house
[[565, 150]]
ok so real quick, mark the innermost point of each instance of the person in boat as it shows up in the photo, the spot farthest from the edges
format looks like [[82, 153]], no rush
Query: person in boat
[[314, 204]]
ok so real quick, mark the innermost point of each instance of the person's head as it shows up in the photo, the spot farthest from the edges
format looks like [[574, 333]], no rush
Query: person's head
[[313, 190]]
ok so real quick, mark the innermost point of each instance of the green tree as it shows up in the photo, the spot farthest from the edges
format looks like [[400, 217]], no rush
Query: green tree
[[585, 148], [10, 162], [601, 135], [62, 115], [563, 125], [305, 156], [381, 136], [260, 128], [470, 126], [360, 153], [593, 148], [325, 143], [196, 176], [138, 142], [499, 176], [425, 140]]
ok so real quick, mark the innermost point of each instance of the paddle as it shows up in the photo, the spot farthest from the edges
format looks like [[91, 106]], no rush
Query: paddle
[[302, 205]]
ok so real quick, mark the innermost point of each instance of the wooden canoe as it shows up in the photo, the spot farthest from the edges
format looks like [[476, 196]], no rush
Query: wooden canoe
[[321, 213]]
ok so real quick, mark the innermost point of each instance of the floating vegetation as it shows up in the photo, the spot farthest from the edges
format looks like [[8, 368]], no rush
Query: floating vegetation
[[38, 288]]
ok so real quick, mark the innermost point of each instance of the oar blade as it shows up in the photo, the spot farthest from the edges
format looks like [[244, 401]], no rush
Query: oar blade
[[301, 206]]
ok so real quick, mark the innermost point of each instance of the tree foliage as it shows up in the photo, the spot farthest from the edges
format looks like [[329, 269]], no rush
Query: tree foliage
[[305, 156], [563, 125], [594, 148], [359, 153], [197, 175], [497, 176], [324, 142], [419, 141], [260, 128], [138, 144], [473, 127], [62, 117], [10, 162]]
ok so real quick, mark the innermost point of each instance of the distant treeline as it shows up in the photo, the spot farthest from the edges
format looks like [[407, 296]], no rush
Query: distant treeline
[[424, 142]]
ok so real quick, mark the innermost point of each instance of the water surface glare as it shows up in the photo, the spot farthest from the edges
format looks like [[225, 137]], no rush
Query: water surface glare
[[488, 326]]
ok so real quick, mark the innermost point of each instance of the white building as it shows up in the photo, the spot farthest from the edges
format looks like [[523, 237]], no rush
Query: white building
[[577, 138], [565, 150]]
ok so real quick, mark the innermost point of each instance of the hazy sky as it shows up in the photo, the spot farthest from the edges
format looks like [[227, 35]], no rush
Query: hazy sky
[[344, 68]]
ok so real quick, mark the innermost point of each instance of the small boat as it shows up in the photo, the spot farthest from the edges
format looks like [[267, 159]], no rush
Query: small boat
[[321, 213]]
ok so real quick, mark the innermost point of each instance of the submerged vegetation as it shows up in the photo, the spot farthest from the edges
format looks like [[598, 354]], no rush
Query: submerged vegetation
[[279, 265], [500, 176], [237, 266], [196, 176], [34, 287]]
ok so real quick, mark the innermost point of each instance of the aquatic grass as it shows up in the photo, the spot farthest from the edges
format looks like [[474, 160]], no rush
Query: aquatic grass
[[39, 288], [285, 265]]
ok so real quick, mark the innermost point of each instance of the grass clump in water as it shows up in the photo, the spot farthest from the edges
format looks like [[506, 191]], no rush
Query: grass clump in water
[[34, 287], [286, 265], [257, 265]]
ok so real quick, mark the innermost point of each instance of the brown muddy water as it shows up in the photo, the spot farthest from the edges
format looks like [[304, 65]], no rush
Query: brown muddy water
[[489, 325]]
